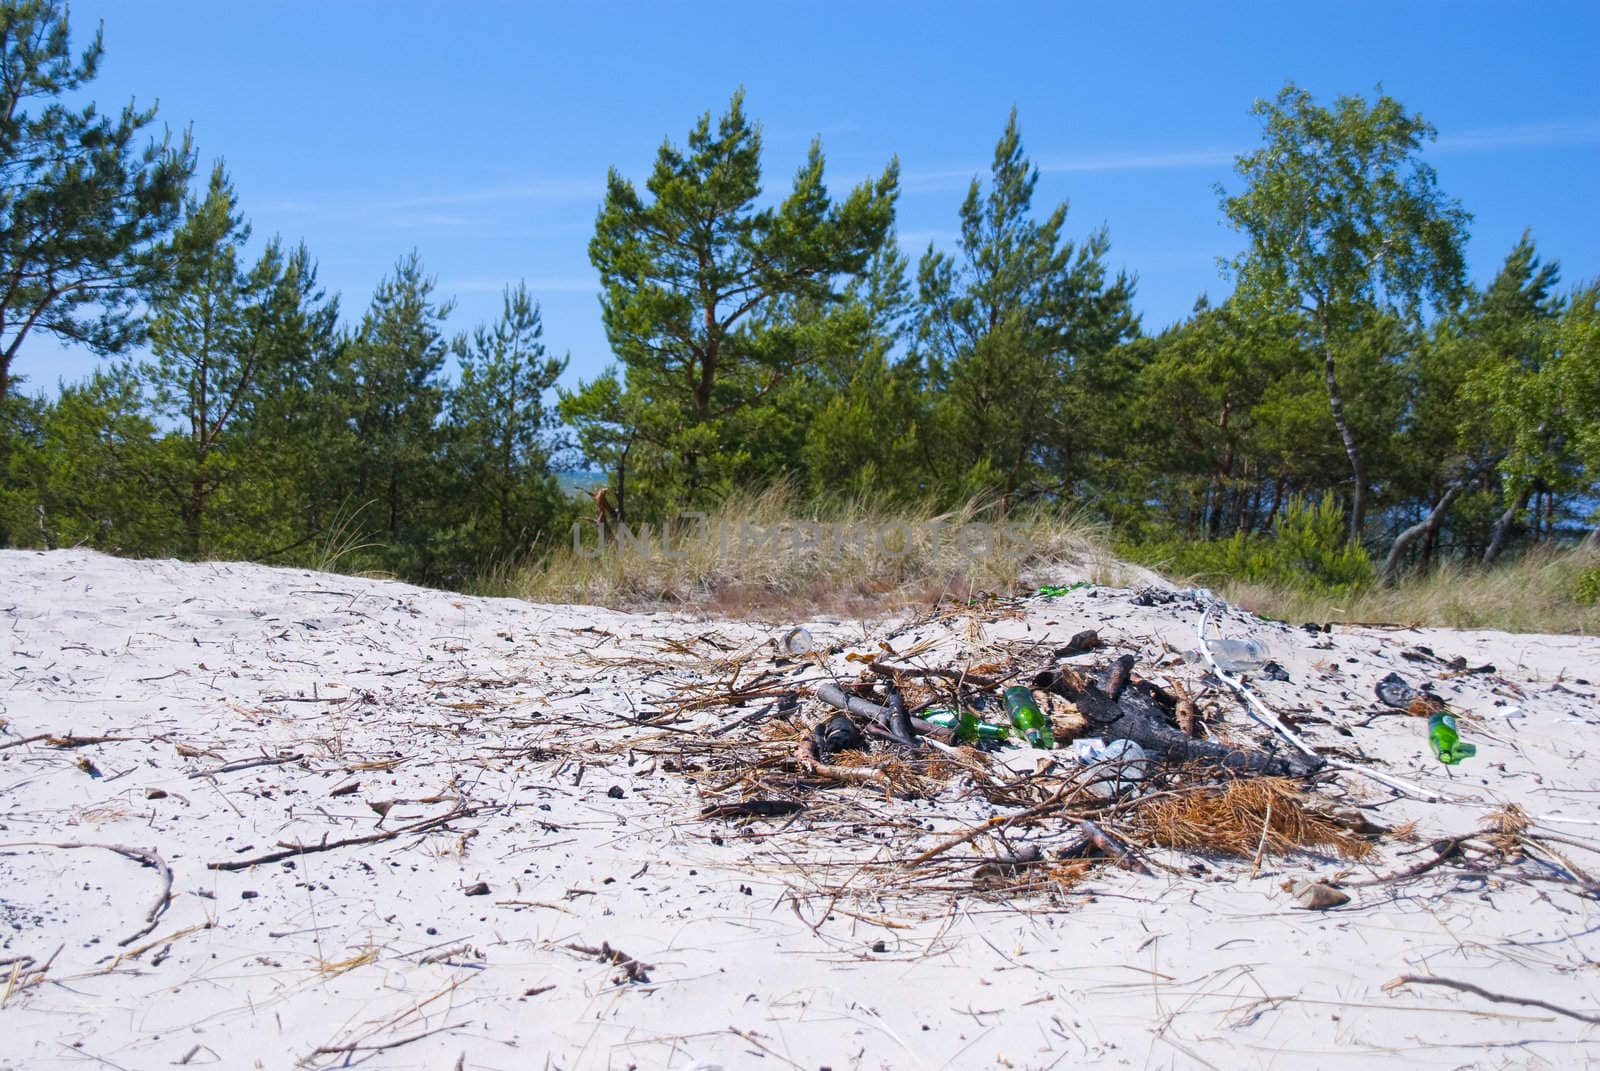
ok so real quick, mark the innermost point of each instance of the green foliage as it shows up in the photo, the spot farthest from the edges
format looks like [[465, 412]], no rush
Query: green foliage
[[1345, 225], [712, 303], [499, 437], [391, 381], [1306, 551], [81, 204], [73, 470], [212, 329], [772, 348], [1587, 589], [1003, 335]]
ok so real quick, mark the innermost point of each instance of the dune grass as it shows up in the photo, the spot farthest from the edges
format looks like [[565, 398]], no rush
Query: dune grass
[[778, 556], [773, 555], [1551, 590]]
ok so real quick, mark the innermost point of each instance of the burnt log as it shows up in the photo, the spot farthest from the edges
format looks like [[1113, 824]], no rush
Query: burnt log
[[1136, 715]]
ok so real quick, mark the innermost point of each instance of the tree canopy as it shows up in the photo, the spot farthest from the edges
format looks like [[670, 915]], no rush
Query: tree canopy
[[696, 279], [1352, 400], [1345, 222]]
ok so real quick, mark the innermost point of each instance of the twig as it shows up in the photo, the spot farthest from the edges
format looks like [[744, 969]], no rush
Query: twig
[[1498, 998], [348, 842], [147, 856], [66, 740], [1187, 714], [1540, 848], [743, 720], [247, 764], [25, 740], [1122, 853], [751, 1038], [1451, 848], [1055, 801], [636, 970], [884, 669], [333, 1050], [1266, 827]]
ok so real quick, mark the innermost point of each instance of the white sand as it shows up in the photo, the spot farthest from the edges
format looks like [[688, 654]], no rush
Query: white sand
[[438, 701]]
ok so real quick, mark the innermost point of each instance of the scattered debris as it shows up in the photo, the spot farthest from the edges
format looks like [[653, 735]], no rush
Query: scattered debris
[[632, 969], [1081, 643], [1396, 692]]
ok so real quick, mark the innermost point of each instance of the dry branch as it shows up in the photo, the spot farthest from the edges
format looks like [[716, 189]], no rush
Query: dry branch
[[1498, 998], [805, 754], [348, 842]]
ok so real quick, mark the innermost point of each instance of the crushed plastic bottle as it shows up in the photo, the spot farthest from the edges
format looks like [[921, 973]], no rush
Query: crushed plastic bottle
[[1028, 719], [1118, 766]]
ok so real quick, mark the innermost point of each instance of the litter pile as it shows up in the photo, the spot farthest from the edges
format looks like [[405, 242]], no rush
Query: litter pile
[[1017, 769]]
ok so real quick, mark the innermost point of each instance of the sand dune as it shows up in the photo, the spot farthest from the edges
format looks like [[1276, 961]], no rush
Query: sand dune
[[510, 869]]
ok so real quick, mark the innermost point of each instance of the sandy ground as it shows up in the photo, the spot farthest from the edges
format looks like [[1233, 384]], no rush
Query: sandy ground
[[248, 711]]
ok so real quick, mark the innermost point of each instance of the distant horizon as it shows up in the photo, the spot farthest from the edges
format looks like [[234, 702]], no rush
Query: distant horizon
[[386, 129]]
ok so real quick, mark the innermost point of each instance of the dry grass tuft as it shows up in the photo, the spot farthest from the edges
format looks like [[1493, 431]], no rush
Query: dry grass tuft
[[1230, 819], [1543, 591], [334, 968], [1509, 820], [775, 556]]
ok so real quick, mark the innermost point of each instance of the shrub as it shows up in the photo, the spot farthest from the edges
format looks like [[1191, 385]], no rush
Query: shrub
[[1307, 551], [1586, 592]]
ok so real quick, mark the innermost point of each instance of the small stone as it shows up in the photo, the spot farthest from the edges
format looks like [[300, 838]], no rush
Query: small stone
[[879, 946], [249, 894], [155, 793], [480, 888], [615, 792]]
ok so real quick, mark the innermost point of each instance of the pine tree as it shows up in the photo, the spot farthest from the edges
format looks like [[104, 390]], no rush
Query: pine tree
[[392, 382], [695, 277], [500, 434], [1002, 331], [206, 356], [81, 204]]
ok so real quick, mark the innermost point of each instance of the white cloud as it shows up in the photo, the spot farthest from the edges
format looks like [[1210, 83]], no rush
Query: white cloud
[[1545, 135], [917, 241], [1534, 135], [536, 287], [393, 208], [548, 190], [1151, 161]]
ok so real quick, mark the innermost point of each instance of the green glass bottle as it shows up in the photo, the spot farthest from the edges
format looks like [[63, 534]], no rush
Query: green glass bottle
[[1447, 745], [966, 725], [1027, 717]]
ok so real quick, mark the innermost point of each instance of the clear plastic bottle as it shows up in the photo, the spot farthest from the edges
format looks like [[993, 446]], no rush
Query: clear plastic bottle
[[1239, 656], [797, 642]]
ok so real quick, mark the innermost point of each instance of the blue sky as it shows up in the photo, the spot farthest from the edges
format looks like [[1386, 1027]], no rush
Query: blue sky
[[480, 133]]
